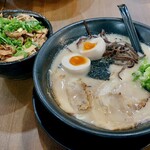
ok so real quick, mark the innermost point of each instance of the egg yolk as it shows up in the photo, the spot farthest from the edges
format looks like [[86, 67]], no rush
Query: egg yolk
[[88, 45], [77, 60]]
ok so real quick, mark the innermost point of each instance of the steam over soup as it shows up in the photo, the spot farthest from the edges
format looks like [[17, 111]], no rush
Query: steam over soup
[[99, 86]]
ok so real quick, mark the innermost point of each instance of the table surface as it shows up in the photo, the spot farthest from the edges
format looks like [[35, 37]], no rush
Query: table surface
[[18, 127]]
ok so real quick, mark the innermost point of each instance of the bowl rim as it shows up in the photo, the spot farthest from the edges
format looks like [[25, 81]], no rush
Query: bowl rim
[[32, 13], [71, 122]]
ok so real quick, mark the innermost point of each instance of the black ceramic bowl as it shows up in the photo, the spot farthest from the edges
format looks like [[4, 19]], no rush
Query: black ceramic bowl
[[22, 69], [83, 135]]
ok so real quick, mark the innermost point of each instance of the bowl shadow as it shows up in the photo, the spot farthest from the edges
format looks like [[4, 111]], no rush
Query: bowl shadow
[[46, 141], [16, 94], [16, 106]]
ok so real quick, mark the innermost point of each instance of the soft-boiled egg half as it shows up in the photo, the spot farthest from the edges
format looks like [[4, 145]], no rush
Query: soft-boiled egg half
[[93, 48], [76, 64]]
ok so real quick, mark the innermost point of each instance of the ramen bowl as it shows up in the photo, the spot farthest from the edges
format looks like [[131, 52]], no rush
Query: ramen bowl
[[22, 68], [81, 135]]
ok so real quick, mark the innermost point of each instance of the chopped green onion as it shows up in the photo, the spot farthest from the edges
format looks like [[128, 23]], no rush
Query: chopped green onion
[[143, 74], [28, 43], [12, 25], [19, 53]]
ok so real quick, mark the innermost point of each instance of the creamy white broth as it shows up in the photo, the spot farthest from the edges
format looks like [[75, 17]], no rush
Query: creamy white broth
[[113, 104]]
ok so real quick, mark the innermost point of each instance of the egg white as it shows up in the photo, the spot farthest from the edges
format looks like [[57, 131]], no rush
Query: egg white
[[81, 69], [96, 52]]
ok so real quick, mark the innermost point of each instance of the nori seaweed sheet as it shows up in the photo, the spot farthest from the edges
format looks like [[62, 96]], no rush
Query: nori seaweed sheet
[[100, 69]]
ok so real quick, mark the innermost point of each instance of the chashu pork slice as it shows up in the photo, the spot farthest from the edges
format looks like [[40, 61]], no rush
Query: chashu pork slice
[[59, 90], [79, 95], [71, 94], [117, 104]]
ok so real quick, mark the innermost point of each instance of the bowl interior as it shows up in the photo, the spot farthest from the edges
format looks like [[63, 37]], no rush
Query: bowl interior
[[65, 36]]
